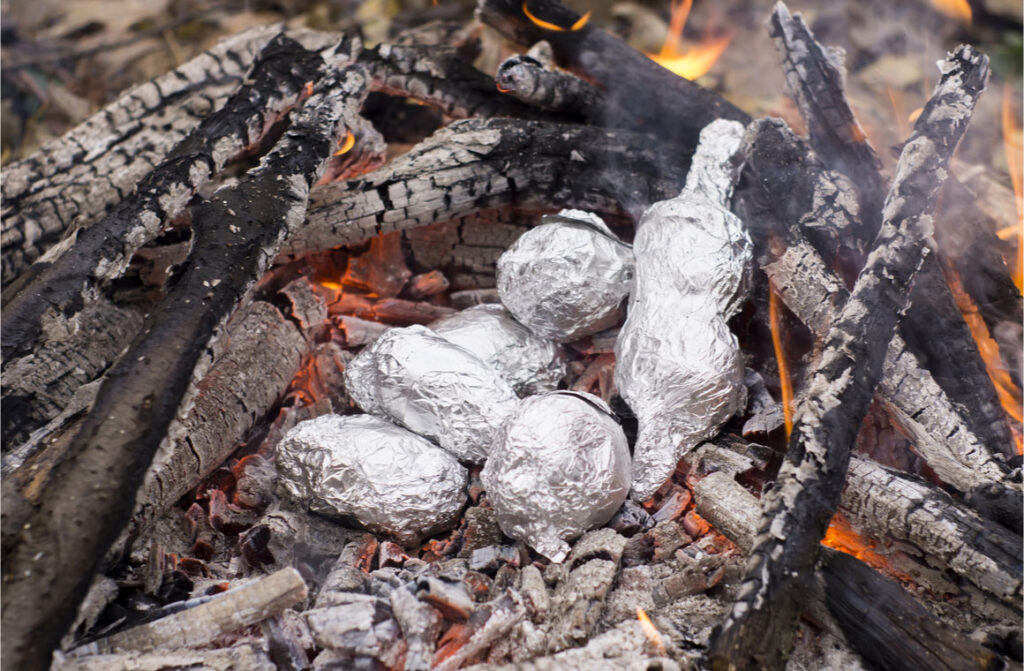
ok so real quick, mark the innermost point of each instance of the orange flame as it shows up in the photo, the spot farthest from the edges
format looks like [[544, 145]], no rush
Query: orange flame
[[780, 358], [1009, 393], [695, 62], [547, 25], [346, 144], [650, 631], [843, 537], [1013, 145], [954, 9]]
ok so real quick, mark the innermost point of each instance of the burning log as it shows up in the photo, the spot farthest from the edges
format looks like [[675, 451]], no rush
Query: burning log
[[238, 233], [796, 511], [628, 78]]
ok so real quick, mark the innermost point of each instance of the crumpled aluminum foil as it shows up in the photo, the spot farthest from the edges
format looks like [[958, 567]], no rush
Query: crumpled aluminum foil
[[566, 278], [677, 364], [531, 364], [559, 467], [432, 387], [386, 477]]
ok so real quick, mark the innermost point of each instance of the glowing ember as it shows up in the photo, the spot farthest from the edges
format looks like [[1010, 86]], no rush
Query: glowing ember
[[1013, 144], [842, 536], [694, 62], [1009, 393], [547, 25], [650, 631], [954, 9], [346, 144], [780, 358]]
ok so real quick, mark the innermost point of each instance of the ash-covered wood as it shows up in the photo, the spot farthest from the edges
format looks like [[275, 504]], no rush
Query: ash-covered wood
[[529, 80], [72, 180], [237, 234], [796, 512], [58, 282], [248, 656], [476, 165], [671, 106]]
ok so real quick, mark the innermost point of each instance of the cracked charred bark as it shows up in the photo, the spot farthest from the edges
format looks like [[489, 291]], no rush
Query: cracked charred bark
[[238, 233], [795, 513]]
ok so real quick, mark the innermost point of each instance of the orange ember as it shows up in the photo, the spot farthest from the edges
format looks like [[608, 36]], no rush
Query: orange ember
[[1009, 393], [780, 358], [346, 144], [691, 63], [842, 536], [954, 9], [1013, 144], [547, 25], [650, 631]]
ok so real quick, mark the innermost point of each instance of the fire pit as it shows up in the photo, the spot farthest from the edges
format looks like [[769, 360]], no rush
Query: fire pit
[[291, 384]]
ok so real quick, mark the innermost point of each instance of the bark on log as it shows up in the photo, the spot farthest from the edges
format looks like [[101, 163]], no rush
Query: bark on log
[[796, 512], [73, 179], [238, 233], [666, 104], [56, 283], [815, 295], [476, 165]]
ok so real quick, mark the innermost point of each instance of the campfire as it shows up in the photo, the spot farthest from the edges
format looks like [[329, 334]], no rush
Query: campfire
[[324, 353]]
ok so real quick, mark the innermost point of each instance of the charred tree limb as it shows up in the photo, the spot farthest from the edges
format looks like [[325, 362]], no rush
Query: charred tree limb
[[796, 512], [933, 327], [73, 179], [788, 185], [528, 80], [237, 235], [100, 252], [664, 103], [475, 165]]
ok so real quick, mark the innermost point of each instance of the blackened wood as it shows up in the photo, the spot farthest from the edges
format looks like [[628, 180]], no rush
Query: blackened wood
[[237, 235], [785, 183], [666, 104], [796, 512], [475, 165], [56, 282], [528, 80], [889, 628], [71, 180]]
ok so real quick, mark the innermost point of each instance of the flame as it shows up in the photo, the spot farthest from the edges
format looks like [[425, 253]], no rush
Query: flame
[[692, 63], [650, 631], [547, 25], [841, 536], [346, 144], [780, 358], [1009, 393], [954, 9], [1013, 145]]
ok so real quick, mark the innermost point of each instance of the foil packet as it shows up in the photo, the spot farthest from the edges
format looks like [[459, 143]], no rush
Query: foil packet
[[432, 387], [566, 278], [559, 467], [386, 477], [529, 363], [678, 366]]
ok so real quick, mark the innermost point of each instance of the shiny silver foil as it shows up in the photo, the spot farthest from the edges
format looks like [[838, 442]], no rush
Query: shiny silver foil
[[677, 364], [386, 477], [559, 467], [566, 278], [434, 388], [531, 364]]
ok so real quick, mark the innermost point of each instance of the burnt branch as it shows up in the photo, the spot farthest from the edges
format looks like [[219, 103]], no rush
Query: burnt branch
[[528, 80], [660, 101], [475, 165], [237, 235], [796, 512]]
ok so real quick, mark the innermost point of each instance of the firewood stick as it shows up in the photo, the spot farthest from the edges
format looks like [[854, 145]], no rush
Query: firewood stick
[[672, 106], [113, 149], [475, 165], [528, 80], [238, 233], [796, 512], [233, 610], [63, 277], [933, 326]]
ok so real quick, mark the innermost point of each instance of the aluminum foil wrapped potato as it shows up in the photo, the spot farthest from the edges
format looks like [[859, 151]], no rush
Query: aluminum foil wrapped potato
[[566, 278], [386, 477], [677, 364], [432, 387], [531, 364], [559, 467]]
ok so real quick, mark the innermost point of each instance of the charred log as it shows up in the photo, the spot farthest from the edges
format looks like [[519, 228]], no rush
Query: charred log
[[796, 512], [528, 80], [238, 233]]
